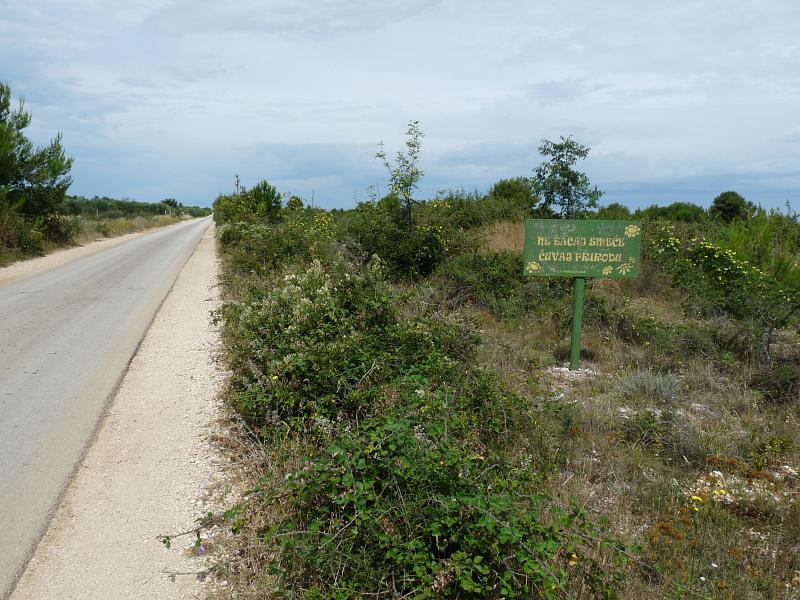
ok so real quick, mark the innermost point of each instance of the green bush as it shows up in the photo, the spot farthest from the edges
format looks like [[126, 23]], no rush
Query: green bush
[[458, 210], [614, 211], [768, 240], [30, 240], [648, 428], [57, 228], [261, 248], [715, 281], [731, 205], [381, 229], [492, 280], [685, 212], [260, 204], [109, 208], [324, 339], [517, 191], [401, 508], [764, 449]]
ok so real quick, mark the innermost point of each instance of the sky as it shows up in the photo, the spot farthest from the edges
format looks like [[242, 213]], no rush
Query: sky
[[678, 100]]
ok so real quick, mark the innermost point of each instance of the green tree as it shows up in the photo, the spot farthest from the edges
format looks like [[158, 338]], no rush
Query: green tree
[[731, 205], [517, 189], [558, 184], [405, 174], [34, 179], [266, 200], [294, 203], [260, 203], [677, 211], [615, 210]]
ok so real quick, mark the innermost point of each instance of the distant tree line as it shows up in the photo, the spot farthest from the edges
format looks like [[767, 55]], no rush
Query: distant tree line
[[102, 207], [726, 207]]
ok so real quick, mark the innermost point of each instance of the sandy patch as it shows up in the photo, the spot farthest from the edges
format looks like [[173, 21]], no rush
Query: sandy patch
[[149, 468]]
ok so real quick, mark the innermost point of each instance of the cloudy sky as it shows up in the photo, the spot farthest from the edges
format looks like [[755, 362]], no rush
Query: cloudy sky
[[171, 98]]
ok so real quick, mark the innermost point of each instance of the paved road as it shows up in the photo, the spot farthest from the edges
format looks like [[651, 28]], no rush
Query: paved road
[[66, 337]]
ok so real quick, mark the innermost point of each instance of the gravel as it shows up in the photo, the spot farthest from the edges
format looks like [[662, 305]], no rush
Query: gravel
[[148, 471]]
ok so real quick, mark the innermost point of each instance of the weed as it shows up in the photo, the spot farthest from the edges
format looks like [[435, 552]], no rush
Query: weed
[[661, 388]]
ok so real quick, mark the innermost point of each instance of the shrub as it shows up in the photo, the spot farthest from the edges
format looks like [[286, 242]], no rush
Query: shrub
[[729, 206], [380, 228], [323, 340], [420, 475], [716, 281], [261, 204], [647, 428], [615, 210], [397, 508], [57, 228], [460, 210], [662, 388], [260, 248], [517, 192], [31, 240], [685, 212], [779, 381], [491, 280]]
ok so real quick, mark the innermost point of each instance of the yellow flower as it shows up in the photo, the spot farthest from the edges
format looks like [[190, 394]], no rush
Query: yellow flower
[[274, 378], [697, 498], [532, 267], [632, 230], [573, 560]]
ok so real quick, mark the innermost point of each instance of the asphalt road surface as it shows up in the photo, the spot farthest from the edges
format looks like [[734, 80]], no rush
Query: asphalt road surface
[[66, 338]]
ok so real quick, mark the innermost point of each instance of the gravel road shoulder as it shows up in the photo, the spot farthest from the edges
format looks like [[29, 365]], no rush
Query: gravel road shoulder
[[148, 471]]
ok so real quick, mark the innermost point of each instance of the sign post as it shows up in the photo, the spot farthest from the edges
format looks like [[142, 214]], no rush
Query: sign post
[[581, 249], [577, 321]]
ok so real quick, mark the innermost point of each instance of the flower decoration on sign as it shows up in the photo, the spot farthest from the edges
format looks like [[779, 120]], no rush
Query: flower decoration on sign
[[532, 267], [632, 230], [627, 267], [607, 270]]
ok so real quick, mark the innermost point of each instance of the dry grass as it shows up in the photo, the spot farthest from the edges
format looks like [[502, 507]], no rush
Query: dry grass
[[654, 429], [239, 559], [505, 236], [91, 230]]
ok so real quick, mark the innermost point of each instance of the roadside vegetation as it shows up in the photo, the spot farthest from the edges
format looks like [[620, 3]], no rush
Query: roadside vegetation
[[37, 216], [407, 428]]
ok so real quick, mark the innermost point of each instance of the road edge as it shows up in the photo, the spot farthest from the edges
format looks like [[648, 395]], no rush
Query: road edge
[[107, 403]]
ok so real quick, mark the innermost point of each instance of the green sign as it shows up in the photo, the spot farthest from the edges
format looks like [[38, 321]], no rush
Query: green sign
[[582, 248]]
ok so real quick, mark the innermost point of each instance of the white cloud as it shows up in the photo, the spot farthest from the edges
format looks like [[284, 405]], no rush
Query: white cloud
[[178, 91], [321, 18]]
